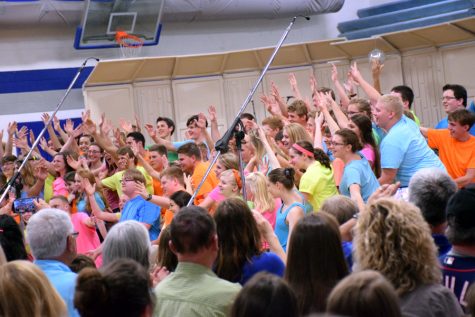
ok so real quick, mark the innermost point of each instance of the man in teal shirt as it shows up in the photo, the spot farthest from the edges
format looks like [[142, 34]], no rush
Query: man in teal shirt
[[193, 289]]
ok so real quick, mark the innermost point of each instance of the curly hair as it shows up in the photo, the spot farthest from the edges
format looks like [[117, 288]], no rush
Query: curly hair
[[393, 238]]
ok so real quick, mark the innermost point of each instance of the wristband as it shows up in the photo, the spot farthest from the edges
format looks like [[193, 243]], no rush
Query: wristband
[[149, 197]]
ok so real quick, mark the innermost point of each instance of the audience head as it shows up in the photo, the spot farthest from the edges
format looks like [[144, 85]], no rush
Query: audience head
[[50, 235], [265, 295], [248, 121], [315, 261], [238, 237], [256, 190], [165, 256], [359, 106], [272, 125], [165, 127], [126, 158], [454, 97], [29, 291], [297, 112], [193, 233], [294, 132], [60, 202], [460, 217], [172, 180], [135, 139], [11, 239], [302, 154], [230, 183], [178, 200], [430, 190], [81, 262], [94, 152], [460, 122], [280, 179], [226, 161], [405, 93], [325, 90], [393, 238], [119, 288], [127, 239], [364, 294], [60, 162], [343, 208], [128, 182], [346, 141], [193, 130], [388, 111], [158, 156], [189, 155]]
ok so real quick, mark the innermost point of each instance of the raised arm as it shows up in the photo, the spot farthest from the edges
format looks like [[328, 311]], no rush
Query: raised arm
[[294, 86], [215, 135], [376, 68], [372, 93], [345, 101], [282, 105], [96, 210]]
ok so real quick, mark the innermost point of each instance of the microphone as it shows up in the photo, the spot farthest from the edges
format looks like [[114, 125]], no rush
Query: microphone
[[305, 17], [86, 60]]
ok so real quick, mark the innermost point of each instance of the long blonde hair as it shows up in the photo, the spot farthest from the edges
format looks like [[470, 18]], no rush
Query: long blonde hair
[[393, 238], [297, 132], [26, 291], [257, 185]]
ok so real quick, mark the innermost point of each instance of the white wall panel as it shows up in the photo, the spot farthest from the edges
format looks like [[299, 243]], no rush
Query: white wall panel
[[236, 90], [459, 67], [153, 99], [423, 73], [116, 101], [195, 95]]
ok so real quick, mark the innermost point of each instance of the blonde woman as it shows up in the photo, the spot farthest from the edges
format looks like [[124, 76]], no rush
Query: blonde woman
[[26, 291], [294, 132], [393, 238], [260, 198]]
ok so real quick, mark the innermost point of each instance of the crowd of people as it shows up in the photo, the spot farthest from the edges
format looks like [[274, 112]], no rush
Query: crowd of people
[[339, 205]]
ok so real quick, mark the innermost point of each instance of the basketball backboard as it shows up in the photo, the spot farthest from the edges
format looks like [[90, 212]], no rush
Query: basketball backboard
[[103, 18]]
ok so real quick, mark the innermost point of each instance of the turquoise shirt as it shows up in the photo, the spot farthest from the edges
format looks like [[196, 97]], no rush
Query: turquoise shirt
[[359, 172], [63, 280]]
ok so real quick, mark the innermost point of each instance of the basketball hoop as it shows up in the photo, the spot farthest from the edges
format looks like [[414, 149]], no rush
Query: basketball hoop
[[130, 45]]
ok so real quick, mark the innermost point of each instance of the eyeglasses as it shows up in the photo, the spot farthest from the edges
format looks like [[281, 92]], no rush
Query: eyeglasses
[[447, 98], [336, 143], [124, 180], [93, 152], [352, 113], [74, 234]]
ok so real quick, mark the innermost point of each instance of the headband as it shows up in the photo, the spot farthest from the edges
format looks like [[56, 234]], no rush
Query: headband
[[237, 177], [302, 150]]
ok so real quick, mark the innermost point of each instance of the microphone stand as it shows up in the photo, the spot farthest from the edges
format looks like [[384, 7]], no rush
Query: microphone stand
[[38, 138], [221, 145]]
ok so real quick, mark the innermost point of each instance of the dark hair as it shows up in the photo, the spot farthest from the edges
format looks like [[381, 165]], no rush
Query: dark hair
[[459, 92], [137, 136], [180, 198], [238, 237], [169, 123], [125, 150], [69, 176], [160, 149], [65, 154], [248, 116], [364, 294], [363, 105], [192, 229], [9, 158], [406, 94], [190, 149], [285, 176], [81, 262], [315, 261], [279, 135], [11, 239], [325, 90], [194, 118], [265, 295], [462, 116], [365, 126], [165, 256], [102, 293], [318, 154], [350, 138]]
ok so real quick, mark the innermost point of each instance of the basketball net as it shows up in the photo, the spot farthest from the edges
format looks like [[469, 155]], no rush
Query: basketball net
[[130, 45]]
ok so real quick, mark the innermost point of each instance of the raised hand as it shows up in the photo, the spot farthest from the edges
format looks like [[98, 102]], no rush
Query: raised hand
[[45, 117], [313, 83], [69, 127], [334, 73], [75, 164], [355, 73], [125, 125], [56, 123], [201, 122], [89, 188], [86, 115], [212, 113], [138, 124], [152, 132], [12, 127], [376, 67], [41, 171], [141, 189], [89, 127]]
